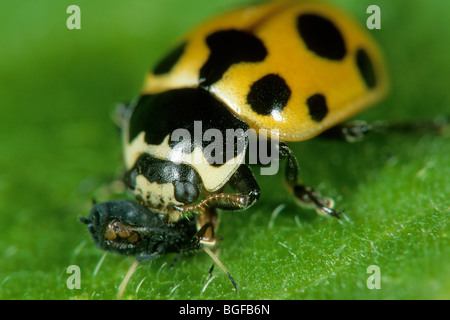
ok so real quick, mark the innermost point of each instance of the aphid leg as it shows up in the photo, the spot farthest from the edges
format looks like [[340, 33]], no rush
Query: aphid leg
[[247, 193], [356, 131], [305, 195]]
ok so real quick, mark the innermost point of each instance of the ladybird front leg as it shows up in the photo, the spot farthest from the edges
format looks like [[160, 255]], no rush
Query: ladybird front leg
[[247, 193], [305, 195]]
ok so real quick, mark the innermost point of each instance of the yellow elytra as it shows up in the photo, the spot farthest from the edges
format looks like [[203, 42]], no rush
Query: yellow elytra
[[319, 68]]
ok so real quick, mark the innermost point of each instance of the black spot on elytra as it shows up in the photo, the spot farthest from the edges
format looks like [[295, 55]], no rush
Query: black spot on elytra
[[227, 48], [270, 93], [169, 61], [317, 106], [321, 36], [365, 68]]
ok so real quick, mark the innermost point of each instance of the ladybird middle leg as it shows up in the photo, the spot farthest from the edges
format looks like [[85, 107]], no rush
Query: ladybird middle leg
[[207, 224], [358, 130], [305, 195]]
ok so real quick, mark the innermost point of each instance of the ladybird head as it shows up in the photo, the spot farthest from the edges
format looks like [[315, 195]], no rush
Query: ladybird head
[[128, 228], [162, 185]]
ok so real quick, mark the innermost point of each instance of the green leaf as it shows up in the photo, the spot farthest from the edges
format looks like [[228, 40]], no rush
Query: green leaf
[[58, 88]]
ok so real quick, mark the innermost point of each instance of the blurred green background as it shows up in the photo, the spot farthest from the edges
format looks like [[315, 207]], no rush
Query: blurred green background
[[59, 147]]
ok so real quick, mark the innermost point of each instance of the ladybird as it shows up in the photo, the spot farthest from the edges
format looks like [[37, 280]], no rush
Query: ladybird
[[294, 70], [299, 68]]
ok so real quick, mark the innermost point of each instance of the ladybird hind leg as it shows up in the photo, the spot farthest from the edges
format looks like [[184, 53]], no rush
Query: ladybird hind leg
[[305, 195], [358, 130]]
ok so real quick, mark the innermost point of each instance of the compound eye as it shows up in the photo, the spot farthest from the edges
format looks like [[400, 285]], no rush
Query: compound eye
[[185, 192]]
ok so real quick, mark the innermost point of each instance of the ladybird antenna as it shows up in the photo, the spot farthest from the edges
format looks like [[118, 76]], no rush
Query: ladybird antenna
[[220, 264], [126, 279]]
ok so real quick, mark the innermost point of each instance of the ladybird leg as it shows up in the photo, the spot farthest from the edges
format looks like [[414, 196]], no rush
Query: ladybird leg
[[206, 228], [244, 183], [207, 225], [350, 132], [305, 195], [214, 255], [356, 131], [247, 193]]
